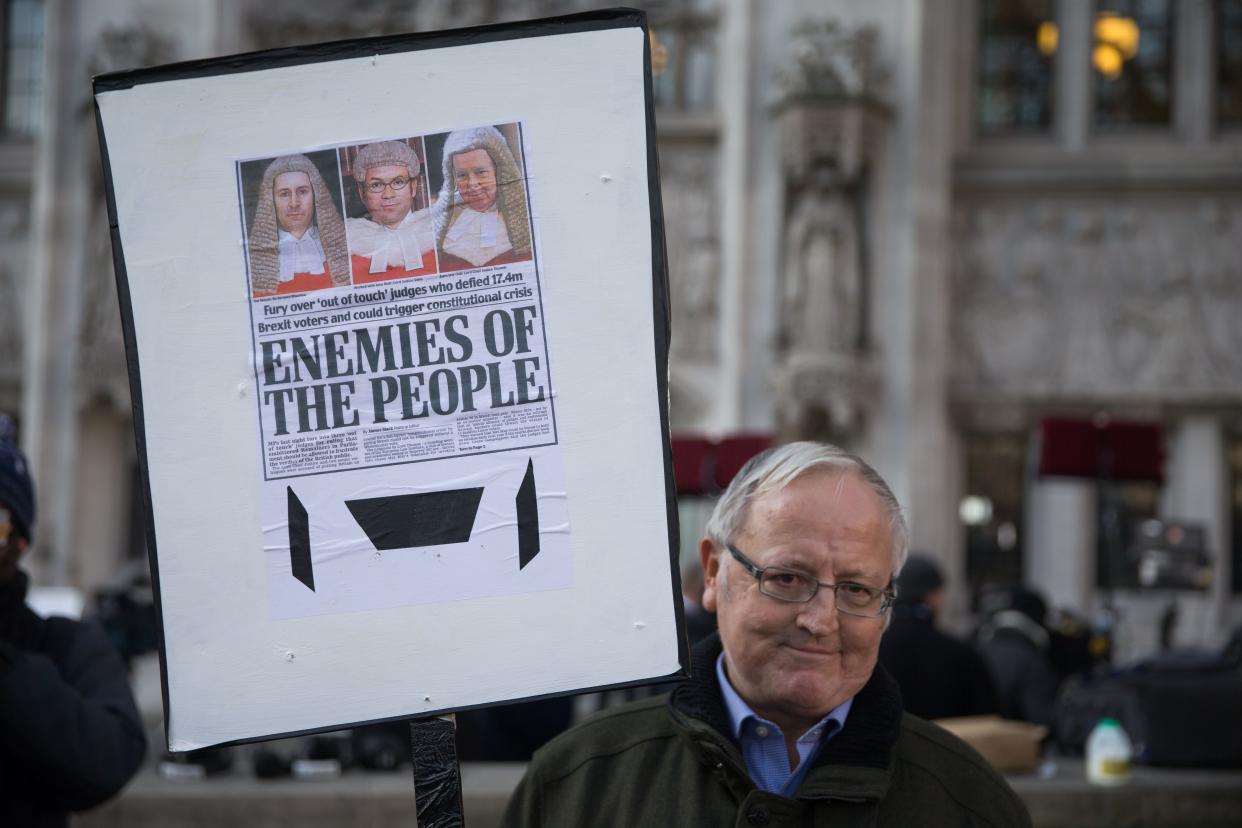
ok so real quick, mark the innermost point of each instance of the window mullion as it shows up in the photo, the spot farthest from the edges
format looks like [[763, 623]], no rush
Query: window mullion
[[1193, 71], [1075, 82]]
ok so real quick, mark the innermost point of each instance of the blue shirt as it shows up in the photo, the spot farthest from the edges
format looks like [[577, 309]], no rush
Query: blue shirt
[[763, 743]]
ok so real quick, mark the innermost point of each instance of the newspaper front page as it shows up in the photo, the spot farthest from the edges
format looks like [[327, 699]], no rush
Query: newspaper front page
[[401, 371]]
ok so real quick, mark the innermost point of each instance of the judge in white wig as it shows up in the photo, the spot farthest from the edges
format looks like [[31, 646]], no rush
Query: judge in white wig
[[394, 241], [480, 216], [297, 241]]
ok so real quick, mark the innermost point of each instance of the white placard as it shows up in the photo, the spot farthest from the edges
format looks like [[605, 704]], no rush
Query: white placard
[[311, 480]]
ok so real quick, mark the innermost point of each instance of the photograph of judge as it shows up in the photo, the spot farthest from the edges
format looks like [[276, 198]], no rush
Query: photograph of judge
[[786, 717], [393, 240], [480, 215], [297, 240]]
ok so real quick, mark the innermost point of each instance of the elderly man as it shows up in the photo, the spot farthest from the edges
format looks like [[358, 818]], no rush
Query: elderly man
[[297, 242], [786, 719], [70, 736], [480, 215], [394, 242]]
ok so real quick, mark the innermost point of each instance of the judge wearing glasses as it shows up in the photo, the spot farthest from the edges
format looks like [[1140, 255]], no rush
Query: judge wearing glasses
[[394, 240], [786, 718]]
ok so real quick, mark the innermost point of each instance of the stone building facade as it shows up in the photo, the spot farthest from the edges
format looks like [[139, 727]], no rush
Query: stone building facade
[[913, 227]]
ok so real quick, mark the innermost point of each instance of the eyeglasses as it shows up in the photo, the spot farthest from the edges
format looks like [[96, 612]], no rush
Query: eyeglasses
[[396, 185], [799, 587]]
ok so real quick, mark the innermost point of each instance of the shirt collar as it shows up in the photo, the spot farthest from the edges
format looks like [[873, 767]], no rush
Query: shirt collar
[[739, 711], [285, 236]]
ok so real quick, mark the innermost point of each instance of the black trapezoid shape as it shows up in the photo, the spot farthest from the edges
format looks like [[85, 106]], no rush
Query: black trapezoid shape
[[423, 519], [527, 518], [299, 542]]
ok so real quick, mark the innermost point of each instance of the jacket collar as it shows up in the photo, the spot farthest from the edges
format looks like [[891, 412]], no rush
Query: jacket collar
[[855, 763]]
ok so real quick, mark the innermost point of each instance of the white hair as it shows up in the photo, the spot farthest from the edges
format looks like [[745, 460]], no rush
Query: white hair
[[779, 466]]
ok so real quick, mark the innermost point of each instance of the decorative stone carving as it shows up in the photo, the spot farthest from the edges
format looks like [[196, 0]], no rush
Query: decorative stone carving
[[829, 61], [1098, 301], [830, 126], [821, 302]]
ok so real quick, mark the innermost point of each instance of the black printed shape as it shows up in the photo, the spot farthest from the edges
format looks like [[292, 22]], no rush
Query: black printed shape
[[437, 774], [527, 518], [299, 542], [425, 519]]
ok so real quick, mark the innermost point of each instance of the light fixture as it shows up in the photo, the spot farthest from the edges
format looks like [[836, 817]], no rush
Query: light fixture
[[1116, 41], [1119, 32], [975, 510], [1107, 60], [1046, 37], [1006, 536]]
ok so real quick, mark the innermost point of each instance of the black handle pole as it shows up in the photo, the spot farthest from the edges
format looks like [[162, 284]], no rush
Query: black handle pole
[[437, 775]]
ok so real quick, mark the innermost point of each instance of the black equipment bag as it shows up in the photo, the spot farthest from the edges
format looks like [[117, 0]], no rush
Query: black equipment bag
[[1177, 710]]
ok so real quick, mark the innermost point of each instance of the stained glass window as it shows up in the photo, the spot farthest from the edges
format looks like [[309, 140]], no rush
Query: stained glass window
[[683, 54], [1017, 43], [1228, 33], [1132, 58], [23, 66]]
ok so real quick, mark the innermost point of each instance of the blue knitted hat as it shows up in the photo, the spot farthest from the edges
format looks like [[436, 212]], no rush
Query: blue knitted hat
[[16, 487]]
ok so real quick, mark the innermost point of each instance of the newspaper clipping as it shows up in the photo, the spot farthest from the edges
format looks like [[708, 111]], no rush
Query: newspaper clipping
[[397, 319]]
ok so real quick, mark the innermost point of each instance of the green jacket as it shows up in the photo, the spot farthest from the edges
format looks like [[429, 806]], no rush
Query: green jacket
[[668, 761]]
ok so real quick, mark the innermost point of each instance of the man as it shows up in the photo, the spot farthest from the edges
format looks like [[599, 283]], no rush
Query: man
[[939, 676], [297, 242], [1015, 645], [786, 719], [480, 216], [70, 736], [395, 241]]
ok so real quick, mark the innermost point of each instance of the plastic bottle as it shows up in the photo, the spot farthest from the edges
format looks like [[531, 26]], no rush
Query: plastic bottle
[[1108, 754]]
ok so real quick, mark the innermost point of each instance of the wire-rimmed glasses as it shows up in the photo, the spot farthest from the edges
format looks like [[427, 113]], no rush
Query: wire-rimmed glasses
[[797, 587], [397, 184]]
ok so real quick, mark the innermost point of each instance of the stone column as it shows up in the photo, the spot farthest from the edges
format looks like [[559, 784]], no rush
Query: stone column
[[59, 209], [910, 436], [1075, 77], [1059, 547], [1197, 489], [734, 65]]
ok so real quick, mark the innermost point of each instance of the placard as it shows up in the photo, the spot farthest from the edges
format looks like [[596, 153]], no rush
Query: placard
[[397, 334]]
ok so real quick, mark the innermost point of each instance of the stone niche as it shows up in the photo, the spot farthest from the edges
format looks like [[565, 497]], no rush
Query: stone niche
[[831, 122]]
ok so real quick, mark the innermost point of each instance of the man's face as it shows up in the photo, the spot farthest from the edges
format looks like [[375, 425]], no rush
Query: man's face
[[793, 663], [295, 202], [476, 179], [386, 205]]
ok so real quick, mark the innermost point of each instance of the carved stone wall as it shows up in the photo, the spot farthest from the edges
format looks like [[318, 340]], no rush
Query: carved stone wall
[[1095, 300]]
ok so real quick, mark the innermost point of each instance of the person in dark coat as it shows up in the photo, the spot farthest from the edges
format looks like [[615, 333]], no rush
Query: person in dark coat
[[939, 676], [1015, 642], [70, 735]]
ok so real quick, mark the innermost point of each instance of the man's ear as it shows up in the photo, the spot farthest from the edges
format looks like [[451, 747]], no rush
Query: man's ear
[[710, 559]]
